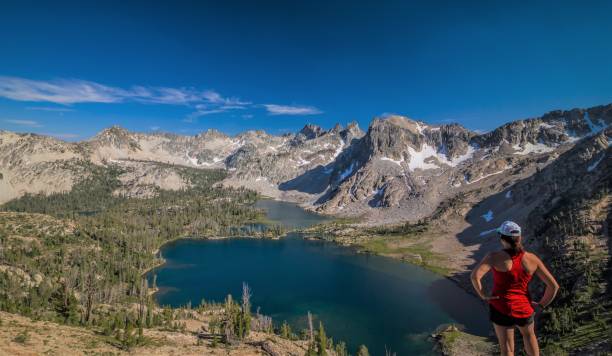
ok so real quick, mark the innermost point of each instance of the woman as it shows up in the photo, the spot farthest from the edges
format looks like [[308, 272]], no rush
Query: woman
[[509, 304]]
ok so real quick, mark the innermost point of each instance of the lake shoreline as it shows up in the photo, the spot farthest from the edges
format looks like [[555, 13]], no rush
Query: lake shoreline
[[359, 241], [359, 249], [163, 261]]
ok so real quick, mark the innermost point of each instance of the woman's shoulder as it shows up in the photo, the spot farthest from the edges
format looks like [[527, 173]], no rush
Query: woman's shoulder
[[532, 257], [498, 255]]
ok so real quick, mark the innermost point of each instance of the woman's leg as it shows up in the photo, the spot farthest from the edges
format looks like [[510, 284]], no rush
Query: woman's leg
[[505, 336], [530, 340]]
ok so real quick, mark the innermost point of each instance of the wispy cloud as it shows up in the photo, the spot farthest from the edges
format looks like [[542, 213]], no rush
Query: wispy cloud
[[61, 91], [215, 98], [274, 109], [203, 110], [75, 91], [28, 123], [154, 128], [49, 108]]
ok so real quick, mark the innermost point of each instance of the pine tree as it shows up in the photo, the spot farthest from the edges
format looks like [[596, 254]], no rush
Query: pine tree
[[363, 351], [311, 350], [285, 330], [321, 341], [246, 310], [341, 349]]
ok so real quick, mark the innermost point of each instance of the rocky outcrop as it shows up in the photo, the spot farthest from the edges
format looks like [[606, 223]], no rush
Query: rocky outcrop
[[402, 164]]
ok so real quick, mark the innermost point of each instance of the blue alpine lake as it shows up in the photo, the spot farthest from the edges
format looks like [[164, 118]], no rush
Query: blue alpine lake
[[360, 298]]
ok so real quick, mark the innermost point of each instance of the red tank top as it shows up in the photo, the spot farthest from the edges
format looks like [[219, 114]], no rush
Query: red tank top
[[511, 288]]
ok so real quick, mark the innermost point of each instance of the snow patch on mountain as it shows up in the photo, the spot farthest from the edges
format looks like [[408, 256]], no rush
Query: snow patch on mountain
[[417, 158], [338, 150], [488, 216], [487, 232], [347, 172], [464, 157], [487, 176], [529, 148], [594, 165], [428, 157], [592, 126], [398, 162]]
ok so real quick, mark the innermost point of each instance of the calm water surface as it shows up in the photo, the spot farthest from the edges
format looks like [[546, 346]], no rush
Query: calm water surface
[[361, 299]]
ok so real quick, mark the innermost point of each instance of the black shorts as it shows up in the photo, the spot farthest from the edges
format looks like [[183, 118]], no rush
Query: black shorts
[[506, 320]]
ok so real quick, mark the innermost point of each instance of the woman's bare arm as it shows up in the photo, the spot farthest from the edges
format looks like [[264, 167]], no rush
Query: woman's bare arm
[[552, 287], [481, 269]]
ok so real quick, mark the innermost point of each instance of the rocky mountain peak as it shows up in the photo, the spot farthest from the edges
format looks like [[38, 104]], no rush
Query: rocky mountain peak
[[113, 131], [311, 131], [336, 129], [451, 140], [116, 136], [390, 136], [352, 130], [551, 130], [353, 125], [402, 122], [212, 134]]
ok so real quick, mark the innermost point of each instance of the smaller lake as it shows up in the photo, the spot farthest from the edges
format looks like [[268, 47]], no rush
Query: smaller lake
[[289, 215], [361, 299]]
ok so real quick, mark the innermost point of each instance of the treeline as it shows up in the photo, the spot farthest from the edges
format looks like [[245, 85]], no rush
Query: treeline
[[86, 274], [577, 251]]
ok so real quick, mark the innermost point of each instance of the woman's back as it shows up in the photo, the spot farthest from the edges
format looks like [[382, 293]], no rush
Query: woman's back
[[511, 277]]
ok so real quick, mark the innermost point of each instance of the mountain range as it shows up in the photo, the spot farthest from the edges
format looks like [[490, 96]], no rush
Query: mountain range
[[399, 169]]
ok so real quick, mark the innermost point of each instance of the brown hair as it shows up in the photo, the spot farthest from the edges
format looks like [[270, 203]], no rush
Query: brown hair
[[516, 246]]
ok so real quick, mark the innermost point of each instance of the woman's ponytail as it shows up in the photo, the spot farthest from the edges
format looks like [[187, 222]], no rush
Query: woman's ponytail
[[516, 246]]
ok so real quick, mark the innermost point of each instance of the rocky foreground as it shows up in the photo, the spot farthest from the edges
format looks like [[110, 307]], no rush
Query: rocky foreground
[[22, 336]]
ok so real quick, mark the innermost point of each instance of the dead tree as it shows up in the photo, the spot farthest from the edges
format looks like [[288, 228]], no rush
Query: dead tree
[[246, 298], [142, 300], [310, 327]]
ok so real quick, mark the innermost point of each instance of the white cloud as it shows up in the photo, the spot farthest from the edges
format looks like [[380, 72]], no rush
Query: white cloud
[[203, 110], [154, 128], [274, 109], [73, 91], [29, 123], [62, 91], [49, 108]]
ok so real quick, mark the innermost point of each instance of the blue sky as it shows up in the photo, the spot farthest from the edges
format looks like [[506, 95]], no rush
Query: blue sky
[[72, 68]]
